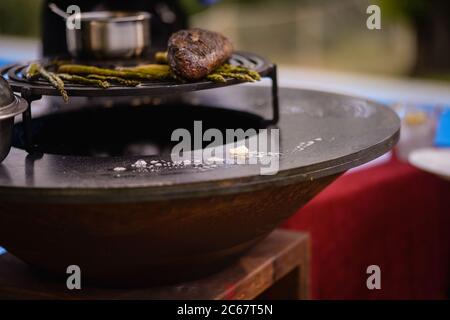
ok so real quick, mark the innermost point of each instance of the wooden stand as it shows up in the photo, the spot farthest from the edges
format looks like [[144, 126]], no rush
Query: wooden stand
[[277, 268]]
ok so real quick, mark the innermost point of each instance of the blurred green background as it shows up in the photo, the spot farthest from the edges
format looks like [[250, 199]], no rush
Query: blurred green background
[[20, 17], [331, 34]]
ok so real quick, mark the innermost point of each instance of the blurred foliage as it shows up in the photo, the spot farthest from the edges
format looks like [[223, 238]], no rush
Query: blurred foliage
[[20, 17], [404, 9], [195, 6], [192, 6]]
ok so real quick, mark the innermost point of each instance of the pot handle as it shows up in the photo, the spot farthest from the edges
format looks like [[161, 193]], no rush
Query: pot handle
[[57, 10]]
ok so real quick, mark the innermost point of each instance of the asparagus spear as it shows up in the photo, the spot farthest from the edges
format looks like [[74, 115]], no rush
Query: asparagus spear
[[54, 80], [32, 72], [140, 74], [83, 80], [125, 82], [228, 68], [234, 72], [216, 77], [161, 57], [237, 76], [150, 68]]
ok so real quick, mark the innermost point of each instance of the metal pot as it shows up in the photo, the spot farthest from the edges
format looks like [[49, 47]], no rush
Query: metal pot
[[110, 35], [10, 106], [106, 34]]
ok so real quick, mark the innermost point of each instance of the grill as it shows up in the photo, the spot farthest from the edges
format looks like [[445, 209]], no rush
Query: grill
[[63, 204]]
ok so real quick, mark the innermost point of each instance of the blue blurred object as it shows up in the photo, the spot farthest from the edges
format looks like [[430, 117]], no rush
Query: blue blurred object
[[4, 62], [208, 2], [442, 138], [2, 251]]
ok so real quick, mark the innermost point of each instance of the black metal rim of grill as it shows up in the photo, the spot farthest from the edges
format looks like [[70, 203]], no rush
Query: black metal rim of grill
[[14, 75]]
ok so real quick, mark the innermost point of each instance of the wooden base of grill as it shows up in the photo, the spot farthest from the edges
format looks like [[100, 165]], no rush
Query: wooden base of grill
[[277, 268]]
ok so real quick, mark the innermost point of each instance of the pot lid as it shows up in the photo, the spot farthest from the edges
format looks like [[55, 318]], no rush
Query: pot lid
[[10, 104]]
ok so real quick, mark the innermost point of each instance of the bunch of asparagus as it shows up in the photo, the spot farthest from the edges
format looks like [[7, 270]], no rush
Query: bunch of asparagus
[[103, 77]]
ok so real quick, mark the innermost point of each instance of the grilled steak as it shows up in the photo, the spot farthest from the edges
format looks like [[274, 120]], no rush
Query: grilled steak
[[194, 53]]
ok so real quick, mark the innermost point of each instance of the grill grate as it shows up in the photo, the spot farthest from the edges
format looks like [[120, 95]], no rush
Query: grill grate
[[14, 75], [34, 90]]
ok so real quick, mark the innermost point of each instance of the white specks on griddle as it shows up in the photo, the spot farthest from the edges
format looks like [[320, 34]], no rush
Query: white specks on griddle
[[140, 164], [264, 154], [306, 144], [160, 166], [241, 151], [215, 160]]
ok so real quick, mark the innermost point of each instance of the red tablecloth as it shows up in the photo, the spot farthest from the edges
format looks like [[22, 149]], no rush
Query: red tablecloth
[[391, 215]]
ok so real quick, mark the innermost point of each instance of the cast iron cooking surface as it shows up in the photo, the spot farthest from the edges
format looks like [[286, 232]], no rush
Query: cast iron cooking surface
[[346, 131]]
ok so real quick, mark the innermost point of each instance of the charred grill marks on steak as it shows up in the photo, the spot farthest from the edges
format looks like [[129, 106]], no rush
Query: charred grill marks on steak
[[195, 53]]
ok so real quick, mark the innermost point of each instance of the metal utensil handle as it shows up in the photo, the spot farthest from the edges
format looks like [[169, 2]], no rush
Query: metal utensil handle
[[57, 10]]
